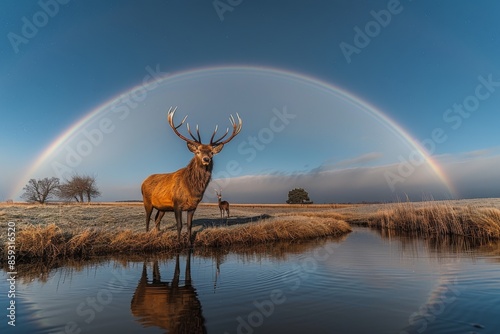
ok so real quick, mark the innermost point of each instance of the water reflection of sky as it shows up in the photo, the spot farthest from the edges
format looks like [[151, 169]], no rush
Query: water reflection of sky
[[364, 283]]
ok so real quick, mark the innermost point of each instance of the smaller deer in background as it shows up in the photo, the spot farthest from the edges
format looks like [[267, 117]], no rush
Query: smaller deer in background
[[223, 205]]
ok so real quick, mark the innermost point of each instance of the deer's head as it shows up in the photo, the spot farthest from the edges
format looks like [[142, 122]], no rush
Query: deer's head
[[204, 152], [219, 194]]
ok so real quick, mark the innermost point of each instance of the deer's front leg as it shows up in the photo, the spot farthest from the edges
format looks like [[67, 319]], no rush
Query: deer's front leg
[[159, 215], [178, 220], [190, 215]]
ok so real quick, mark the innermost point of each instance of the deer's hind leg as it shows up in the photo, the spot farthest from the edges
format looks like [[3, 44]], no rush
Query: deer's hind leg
[[159, 215]]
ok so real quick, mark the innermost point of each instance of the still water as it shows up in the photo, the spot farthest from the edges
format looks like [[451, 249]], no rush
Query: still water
[[366, 282]]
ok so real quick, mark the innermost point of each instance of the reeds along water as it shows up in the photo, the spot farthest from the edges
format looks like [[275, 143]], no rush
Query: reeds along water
[[440, 219], [439, 245], [51, 242], [76, 240], [280, 229]]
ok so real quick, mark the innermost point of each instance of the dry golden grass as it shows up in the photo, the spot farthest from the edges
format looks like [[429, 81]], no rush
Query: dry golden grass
[[278, 229], [440, 219], [50, 242], [74, 231], [41, 242]]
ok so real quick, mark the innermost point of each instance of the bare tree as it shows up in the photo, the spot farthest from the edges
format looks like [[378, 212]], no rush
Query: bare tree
[[79, 188], [65, 193], [40, 190], [91, 190]]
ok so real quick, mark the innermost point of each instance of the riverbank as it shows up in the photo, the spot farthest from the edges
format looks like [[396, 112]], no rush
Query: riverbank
[[440, 219], [62, 230], [55, 231]]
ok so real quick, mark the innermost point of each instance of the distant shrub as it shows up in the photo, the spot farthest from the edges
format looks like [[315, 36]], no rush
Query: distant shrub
[[298, 196]]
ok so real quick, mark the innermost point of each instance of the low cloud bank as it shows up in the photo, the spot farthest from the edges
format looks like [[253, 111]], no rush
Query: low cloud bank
[[471, 175]]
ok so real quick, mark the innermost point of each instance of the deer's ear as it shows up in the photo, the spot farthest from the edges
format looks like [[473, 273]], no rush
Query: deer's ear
[[217, 149], [192, 147]]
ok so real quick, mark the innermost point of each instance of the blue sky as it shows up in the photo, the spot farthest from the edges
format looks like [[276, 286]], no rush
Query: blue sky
[[428, 66]]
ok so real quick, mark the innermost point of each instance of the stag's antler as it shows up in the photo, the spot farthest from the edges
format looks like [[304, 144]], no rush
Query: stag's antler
[[236, 130], [170, 116]]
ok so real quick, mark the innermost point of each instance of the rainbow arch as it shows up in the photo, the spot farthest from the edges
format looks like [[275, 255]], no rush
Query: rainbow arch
[[389, 123]]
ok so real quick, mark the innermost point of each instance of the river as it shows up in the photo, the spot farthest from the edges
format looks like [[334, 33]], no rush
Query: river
[[366, 282]]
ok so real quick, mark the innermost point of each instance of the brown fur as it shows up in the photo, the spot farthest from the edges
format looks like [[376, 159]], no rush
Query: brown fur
[[223, 205], [183, 190], [179, 191], [168, 305]]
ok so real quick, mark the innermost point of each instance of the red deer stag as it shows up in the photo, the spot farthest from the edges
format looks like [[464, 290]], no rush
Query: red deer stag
[[169, 305], [223, 205], [183, 190]]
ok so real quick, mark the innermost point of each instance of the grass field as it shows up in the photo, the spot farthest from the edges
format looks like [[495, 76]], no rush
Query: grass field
[[57, 230], [50, 231]]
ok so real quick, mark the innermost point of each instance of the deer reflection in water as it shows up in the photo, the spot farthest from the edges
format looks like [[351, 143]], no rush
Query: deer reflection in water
[[167, 305]]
